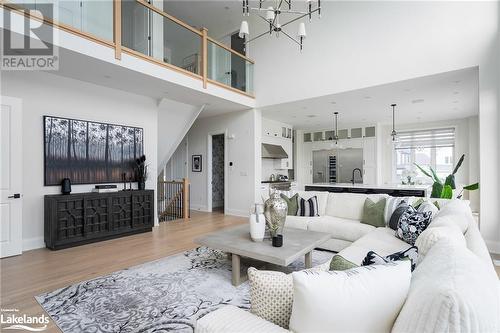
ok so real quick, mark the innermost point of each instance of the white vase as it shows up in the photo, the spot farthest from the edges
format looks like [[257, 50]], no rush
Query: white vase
[[257, 223]]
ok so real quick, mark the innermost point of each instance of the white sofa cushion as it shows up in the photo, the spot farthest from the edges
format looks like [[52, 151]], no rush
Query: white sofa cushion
[[431, 236], [349, 205], [339, 228], [456, 213], [380, 240], [232, 319], [299, 222], [363, 299], [322, 199], [452, 290]]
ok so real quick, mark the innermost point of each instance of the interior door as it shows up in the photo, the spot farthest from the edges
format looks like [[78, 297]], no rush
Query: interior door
[[10, 177]]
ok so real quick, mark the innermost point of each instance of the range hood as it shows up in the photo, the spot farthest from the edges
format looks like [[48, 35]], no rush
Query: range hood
[[273, 151]]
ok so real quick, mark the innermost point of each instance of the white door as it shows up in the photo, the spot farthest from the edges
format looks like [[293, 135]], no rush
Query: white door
[[10, 177]]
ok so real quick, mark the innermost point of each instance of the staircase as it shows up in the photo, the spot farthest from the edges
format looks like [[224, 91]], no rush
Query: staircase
[[173, 200]]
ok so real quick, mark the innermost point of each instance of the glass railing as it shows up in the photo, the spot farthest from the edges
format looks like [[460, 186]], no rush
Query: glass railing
[[229, 67], [92, 17], [143, 30], [154, 34]]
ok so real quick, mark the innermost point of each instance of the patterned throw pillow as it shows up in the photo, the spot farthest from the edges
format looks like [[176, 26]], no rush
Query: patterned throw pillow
[[292, 203], [308, 207], [411, 224], [396, 215], [271, 295], [373, 258]]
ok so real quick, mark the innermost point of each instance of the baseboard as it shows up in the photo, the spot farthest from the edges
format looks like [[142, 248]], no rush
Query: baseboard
[[236, 212], [33, 243], [201, 208], [493, 247]]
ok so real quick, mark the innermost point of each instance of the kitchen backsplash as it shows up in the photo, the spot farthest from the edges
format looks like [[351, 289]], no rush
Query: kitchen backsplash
[[268, 169]]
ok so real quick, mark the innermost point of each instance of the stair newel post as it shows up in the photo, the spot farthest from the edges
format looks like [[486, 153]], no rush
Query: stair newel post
[[185, 198]]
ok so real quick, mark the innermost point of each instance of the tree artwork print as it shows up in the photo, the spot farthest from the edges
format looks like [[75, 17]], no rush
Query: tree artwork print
[[90, 152]]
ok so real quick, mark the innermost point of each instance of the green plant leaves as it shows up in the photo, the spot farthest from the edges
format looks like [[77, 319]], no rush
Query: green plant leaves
[[450, 180], [472, 187], [437, 188], [447, 192], [459, 164], [435, 176], [423, 171]]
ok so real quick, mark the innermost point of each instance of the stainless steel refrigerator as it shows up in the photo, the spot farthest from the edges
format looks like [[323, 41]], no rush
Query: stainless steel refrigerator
[[336, 165]]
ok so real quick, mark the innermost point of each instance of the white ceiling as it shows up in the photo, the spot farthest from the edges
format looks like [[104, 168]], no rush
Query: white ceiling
[[450, 95]]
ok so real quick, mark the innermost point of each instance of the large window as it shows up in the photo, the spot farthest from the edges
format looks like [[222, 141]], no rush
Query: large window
[[434, 147]]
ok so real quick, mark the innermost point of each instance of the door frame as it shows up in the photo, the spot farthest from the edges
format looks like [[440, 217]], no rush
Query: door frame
[[209, 168], [17, 104]]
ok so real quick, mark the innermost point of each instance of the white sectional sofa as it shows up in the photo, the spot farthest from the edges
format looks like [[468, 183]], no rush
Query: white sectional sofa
[[453, 289]]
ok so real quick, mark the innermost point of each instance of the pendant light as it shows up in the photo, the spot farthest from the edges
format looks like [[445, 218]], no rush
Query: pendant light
[[336, 128], [394, 134]]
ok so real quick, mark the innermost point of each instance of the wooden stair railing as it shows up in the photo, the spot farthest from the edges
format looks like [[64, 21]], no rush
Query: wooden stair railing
[[173, 200]]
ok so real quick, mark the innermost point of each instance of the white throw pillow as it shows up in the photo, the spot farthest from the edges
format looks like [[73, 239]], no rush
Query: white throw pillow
[[457, 213], [363, 299], [428, 206], [452, 290], [431, 236], [390, 206]]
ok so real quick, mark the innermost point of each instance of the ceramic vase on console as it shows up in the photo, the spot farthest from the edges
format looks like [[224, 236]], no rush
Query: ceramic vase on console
[[275, 211], [257, 223]]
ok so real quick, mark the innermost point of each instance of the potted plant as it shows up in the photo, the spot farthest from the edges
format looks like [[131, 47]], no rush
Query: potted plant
[[141, 172], [445, 189]]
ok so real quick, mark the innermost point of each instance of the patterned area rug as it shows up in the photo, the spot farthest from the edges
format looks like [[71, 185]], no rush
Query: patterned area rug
[[165, 295]]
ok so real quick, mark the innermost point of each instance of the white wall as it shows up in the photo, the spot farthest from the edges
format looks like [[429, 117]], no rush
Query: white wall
[[174, 121], [361, 44], [48, 94], [241, 151]]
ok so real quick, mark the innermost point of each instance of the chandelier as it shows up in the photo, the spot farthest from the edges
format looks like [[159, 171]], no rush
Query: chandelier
[[272, 16]]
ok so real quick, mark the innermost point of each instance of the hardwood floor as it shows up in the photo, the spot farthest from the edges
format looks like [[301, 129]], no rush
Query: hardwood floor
[[43, 270]]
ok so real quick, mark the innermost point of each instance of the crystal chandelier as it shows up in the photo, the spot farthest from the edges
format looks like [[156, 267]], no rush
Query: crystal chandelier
[[272, 16]]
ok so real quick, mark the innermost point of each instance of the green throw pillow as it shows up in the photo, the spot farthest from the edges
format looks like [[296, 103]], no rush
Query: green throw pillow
[[293, 206], [339, 263], [373, 213], [417, 203]]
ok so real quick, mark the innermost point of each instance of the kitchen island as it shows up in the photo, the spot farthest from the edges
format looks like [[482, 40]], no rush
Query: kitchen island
[[395, 190]]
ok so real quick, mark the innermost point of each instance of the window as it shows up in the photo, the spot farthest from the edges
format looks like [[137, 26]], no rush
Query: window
[[435, 148]]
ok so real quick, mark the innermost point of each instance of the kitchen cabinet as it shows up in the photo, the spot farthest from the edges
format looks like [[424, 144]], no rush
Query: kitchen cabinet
[[276, 129], [369, 161], [285, 163]]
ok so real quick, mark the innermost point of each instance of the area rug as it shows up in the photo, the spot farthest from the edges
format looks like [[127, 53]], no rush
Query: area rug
[[165, 295]]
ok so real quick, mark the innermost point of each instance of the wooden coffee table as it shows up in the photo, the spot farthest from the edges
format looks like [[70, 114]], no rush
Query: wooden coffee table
[[236, 241]]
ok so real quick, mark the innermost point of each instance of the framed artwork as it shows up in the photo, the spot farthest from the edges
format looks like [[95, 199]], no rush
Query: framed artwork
[[196, 163], [89, 152]]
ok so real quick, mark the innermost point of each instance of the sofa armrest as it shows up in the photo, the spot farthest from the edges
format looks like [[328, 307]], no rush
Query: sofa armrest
[[235, 320]]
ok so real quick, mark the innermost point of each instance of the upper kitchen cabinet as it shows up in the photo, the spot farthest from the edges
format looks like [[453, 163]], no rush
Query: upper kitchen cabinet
[[278, 133], [276, 129]]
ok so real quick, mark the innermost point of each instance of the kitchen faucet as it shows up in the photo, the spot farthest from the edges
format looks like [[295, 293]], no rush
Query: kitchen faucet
[[360, 174]]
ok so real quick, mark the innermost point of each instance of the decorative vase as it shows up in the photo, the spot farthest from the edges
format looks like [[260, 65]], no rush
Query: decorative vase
[[141, 185], [275, 211], [66, 186], [257, 223]]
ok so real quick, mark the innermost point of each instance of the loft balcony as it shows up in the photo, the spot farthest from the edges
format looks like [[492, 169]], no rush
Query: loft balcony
[[143, 30]]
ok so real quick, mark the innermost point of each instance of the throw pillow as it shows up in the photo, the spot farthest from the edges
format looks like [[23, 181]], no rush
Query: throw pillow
[[292, 203], [427, 206], [411, 254], [396, 215], [411, 224], [307, 207], [391, 204], [373, 213], [339, 263], [417, 203], [431, 236], [362, 299], [271, 295]]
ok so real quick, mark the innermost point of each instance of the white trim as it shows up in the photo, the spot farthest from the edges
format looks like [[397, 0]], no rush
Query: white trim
[[33, 243], [201, 208], [493, 246], [236, 212], [209, 168]]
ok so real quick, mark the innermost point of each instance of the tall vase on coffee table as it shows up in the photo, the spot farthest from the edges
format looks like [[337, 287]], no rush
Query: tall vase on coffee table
[[275, 211], [257, 223]]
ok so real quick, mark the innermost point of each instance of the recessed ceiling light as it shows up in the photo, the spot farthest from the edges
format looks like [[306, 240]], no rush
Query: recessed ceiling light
[[455, 102], [294, 116], [311, 116], [333, 102], [226, 7], [407, 89], [419, 100], [456, 82], [304, 108], [107, 76], [456, 93], [367, 97]]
